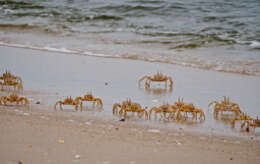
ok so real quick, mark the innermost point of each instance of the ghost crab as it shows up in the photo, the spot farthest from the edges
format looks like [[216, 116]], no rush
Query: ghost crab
[[158, 91], [134, 108], [10, 80], [246, 121], [8, 76], [251, 123], [158, 77], [129, 106], [14, 98], [68, 101], [188, 108], [14, 84], [125, 104], [163, 110], [225, 106], [89, 97]]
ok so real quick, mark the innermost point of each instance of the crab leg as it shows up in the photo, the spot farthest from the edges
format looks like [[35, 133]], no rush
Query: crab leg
[[171, 81], [140, 81]]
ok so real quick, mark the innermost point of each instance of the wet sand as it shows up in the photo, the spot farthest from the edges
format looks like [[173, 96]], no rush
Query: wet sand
[[34, 134], [75, 75]]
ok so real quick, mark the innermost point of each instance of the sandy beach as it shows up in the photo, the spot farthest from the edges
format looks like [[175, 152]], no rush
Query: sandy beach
[[39, 134]]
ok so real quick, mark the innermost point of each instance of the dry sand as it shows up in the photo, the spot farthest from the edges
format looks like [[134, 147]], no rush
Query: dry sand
[[38, 135]]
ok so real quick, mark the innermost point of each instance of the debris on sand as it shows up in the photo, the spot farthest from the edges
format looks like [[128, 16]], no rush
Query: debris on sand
[[203, 138], [88, 123], [155, 102], [30, 99], [122, 119], [18, 111], [38, 102], [237, 142]]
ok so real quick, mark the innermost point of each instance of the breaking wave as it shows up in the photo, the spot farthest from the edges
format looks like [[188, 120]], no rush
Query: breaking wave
[[220, 66]]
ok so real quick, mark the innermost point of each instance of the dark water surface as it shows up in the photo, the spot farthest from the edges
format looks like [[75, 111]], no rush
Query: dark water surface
[[211, 34]]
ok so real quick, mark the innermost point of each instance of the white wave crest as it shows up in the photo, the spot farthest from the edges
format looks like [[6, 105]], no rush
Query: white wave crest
[[245, 67], [255, 44]]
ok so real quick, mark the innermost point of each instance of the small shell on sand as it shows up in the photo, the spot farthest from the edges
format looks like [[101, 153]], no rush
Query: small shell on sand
[[77, 156], [154, 131], [26, 114], [45, 118], [178, 143]]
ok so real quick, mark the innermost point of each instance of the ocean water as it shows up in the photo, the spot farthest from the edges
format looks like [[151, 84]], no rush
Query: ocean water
[[220, 35]]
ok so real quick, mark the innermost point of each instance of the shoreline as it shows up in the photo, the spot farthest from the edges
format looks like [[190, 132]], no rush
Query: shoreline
[[72, 75], [131, 57], [190, 128], [38, 134]]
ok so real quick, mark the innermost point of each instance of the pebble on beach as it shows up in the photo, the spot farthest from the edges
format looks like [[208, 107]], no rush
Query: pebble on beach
[[77, 156], [61, 141]]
